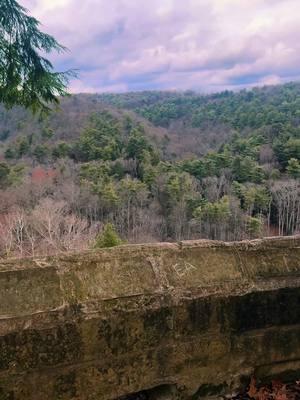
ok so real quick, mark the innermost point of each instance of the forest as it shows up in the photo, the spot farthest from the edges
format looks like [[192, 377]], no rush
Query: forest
[[105, 169]]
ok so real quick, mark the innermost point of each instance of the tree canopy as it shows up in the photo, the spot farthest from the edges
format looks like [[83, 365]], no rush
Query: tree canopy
[[93, 165], [26, 77]]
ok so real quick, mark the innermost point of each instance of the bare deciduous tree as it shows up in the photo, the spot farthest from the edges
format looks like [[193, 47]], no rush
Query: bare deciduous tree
[[286, 196]]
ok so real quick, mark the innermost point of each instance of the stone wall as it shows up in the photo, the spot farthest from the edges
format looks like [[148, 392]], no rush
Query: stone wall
[[177, 321]]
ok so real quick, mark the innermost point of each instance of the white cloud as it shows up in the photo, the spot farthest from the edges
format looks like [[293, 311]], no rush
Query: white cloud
[[198, 44]]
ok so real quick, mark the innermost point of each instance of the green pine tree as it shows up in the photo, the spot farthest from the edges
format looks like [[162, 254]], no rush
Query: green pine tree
[[26, 77], [108, 237]]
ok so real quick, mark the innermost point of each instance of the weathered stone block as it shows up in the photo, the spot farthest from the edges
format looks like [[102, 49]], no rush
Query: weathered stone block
[[168, 321]]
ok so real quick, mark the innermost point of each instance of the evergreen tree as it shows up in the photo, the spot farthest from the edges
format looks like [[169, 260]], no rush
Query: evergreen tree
[[254, 226], [108, 238], [40, 152], [101, 140], [4, 174], [293, 168], [26, 77]]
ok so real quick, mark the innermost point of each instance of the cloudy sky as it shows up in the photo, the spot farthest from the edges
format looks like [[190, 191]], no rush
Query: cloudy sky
[[205, 45]]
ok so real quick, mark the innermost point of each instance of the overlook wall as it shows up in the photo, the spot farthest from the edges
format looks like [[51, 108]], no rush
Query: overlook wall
[[183, 320]]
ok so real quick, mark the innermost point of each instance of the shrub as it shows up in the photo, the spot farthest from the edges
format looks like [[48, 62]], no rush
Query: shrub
[[108, 237]]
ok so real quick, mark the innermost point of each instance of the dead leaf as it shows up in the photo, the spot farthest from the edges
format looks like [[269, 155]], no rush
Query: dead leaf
[[252, 392], [277, 385]]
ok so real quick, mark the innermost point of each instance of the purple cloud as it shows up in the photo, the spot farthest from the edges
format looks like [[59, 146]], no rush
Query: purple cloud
[[206, 45]]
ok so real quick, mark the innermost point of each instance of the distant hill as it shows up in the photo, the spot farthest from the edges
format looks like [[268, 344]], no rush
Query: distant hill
[[245, 109], [190, 123], [66, 122]]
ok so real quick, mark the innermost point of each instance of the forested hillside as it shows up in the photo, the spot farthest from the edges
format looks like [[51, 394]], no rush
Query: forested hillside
[[150, 166]]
